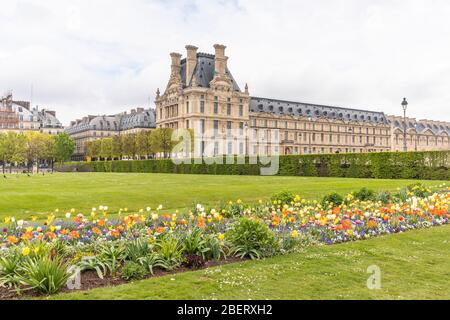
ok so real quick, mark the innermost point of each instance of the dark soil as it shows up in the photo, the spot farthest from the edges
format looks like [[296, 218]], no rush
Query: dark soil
[[90, 280]]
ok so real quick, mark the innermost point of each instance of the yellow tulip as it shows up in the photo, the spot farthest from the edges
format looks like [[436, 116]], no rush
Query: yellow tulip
[[25, 251]]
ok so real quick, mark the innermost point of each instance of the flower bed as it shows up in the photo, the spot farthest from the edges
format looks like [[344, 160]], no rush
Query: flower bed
[[41, 258]]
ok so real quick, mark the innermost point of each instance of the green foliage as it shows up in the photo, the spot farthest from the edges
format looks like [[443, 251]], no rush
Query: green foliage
[[112, 255], [170, 253], [133, 271], [333, 199], [150, 261], [193, 243], [215, 248], [136, 249], [364, 194], [384, 196], [251, 238], [419, 190], [93, 263], [284, 197], [426, 165], [64, 146], [402, 194], [45, 274], [9, 264]]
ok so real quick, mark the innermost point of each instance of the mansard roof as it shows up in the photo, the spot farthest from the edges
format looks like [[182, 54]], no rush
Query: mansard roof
[[140, 119], [143, 118], [298, 109], [204, 71], [421, 126]]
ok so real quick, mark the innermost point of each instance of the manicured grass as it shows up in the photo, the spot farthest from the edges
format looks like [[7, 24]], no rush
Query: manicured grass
[[414, 265], [23, 196]]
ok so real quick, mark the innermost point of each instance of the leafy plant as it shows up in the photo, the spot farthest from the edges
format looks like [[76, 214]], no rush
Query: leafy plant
[[112, 255], [402, 194], [419, 190], [44, 274], [334, 199], [384, 196], [284, 197], [215, 248], [149, 261], [170, 253], [93, 263], [133, 270], [137, 249], [9, 264], [251, 238], [364, 194]]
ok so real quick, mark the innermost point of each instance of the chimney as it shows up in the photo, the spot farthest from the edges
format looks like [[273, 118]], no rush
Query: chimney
[[140, 110], [191, 61], [176, 64], [220, 61]]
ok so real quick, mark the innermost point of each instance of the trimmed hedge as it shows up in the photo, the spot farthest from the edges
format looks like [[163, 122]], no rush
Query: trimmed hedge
[[430, 165]]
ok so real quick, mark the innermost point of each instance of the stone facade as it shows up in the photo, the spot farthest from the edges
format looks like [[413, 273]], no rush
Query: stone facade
[[421, 135], [202, 94], [97, 127], [18, 116]]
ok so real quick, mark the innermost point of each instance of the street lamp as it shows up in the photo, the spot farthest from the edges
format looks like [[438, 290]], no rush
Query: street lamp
[[404, 106]]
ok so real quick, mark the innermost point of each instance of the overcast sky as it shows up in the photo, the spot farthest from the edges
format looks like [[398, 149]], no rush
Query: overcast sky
[[102, 57]]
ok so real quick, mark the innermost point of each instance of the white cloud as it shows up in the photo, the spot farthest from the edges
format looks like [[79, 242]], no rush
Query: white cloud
[[99, 56]]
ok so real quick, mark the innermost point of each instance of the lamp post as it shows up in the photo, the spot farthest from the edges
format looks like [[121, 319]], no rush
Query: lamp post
[[404, 106]]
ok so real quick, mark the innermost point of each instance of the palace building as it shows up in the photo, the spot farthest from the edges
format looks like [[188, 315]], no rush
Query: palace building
[[203, 95], [93, 127]]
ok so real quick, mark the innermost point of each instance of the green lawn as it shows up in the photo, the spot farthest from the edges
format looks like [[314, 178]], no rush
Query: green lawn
[[414, 265], [23, 196]]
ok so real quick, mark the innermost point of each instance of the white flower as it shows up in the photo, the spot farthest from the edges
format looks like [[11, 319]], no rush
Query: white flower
[[154, 216], [68, 215], [93, 209], [160, 207], [20, 223], [100, 208], [148, 209]]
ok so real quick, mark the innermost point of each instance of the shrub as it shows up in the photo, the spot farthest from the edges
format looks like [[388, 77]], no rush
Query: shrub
[[284, 197], [44, 274], [433, 165], [251, 238], [133, 271], [364, 194], [335, 199]]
